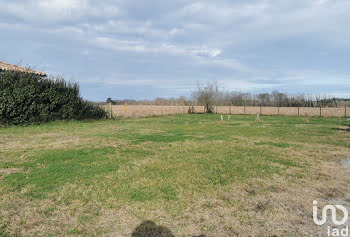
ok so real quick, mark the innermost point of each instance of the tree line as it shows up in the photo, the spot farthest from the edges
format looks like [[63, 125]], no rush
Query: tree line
[[210, 95]]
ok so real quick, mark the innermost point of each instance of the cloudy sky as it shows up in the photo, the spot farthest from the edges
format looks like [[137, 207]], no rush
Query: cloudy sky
[[144, 49]]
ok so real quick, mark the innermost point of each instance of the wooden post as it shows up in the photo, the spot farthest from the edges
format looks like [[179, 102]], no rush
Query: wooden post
[[320, 111], [110, 110], [279, 110], [345, 111]]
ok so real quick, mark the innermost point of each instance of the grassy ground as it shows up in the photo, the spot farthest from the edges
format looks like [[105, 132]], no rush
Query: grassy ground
[[191, 173]]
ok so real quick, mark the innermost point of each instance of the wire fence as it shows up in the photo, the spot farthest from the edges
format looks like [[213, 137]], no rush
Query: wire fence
[[134, 111]]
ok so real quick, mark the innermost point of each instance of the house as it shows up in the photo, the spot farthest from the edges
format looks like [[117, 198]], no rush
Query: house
[[10, 67]]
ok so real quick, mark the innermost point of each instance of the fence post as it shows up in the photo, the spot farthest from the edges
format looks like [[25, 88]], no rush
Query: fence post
[[244, 108], [110, 110], [298, 111], [279, 110], [320, 111], [140, 108], [345, 111], [260, 110]]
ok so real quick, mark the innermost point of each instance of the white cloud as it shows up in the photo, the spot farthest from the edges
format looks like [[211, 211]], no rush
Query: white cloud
[[176, 31], [148, 47], [256, 44], [40, 11]]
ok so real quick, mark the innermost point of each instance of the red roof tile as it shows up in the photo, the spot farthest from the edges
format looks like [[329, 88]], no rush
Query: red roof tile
[[10, 67]]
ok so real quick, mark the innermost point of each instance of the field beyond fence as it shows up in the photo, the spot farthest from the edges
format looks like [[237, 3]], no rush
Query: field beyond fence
[[134, 111]]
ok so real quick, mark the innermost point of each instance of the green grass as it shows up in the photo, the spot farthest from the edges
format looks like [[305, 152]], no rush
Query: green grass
[[208, 152], [155, 160], [52, 169]]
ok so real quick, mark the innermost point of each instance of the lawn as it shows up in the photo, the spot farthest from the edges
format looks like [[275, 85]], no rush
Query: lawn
[[193, 174]]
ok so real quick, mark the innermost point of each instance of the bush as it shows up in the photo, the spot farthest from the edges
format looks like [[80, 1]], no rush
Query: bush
[[29, 98], [191, 110]]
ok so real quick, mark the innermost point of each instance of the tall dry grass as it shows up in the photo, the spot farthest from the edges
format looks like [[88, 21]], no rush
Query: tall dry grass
[[134, 111]]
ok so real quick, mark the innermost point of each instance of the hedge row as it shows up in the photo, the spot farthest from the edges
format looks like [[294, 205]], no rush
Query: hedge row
[[29, 98]]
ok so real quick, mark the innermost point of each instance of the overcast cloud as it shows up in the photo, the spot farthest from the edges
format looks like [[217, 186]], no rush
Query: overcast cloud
[[144, 49]]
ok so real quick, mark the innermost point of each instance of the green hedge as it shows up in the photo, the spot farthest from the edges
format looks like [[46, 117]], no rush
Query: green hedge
[[29, 98]]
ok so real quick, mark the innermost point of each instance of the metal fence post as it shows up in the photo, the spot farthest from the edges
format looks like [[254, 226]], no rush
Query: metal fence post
[[298, 111]]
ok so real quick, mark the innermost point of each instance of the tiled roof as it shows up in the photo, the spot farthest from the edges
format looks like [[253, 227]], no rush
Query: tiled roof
[[10, 67]]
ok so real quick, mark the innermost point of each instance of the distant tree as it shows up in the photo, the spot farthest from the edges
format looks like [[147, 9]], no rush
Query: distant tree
[[236, 98], [264, 99], [207, 95], [279, 99]]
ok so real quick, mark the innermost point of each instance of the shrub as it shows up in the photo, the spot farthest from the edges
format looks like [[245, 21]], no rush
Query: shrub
[[191, 110], [29, 98]]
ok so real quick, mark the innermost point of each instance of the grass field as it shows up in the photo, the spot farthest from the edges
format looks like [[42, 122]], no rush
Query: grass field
[[190, 173]]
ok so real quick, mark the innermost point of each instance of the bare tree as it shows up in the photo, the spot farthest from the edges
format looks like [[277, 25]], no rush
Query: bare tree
[[264, 99], [207, 95]]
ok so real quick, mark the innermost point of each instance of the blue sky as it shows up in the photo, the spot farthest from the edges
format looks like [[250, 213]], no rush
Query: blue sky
[[144, 49]]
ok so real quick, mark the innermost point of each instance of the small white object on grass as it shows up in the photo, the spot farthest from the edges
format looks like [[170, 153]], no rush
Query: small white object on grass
[[257, 118], [348, 118], [229, 117], [222, 118]]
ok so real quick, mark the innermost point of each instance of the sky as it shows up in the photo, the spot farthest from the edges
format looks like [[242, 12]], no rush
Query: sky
[[163, 48]]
